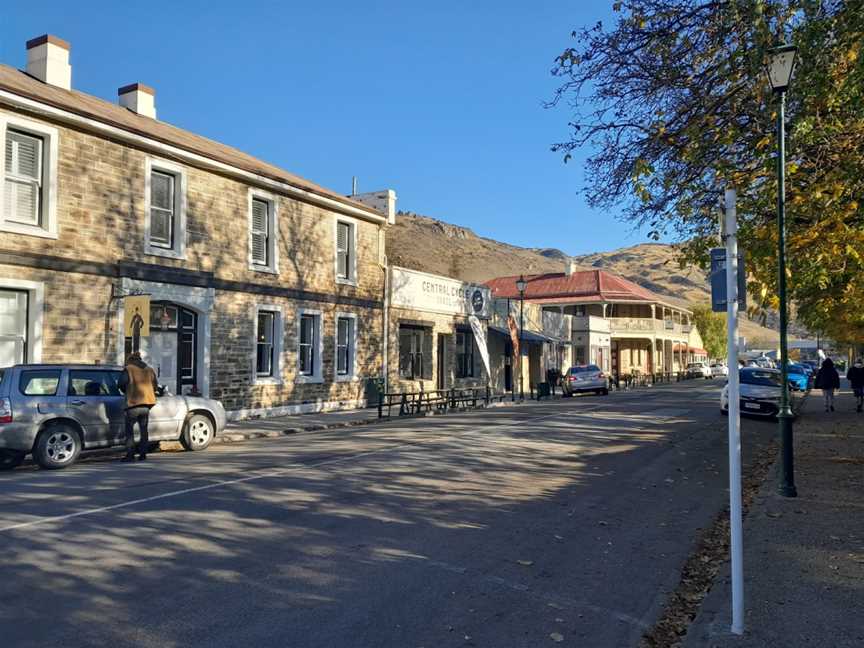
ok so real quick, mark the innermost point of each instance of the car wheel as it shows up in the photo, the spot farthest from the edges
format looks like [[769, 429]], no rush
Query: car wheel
[[10, 459], [604, 392], [198, 433], [724, 412], [57, 447]]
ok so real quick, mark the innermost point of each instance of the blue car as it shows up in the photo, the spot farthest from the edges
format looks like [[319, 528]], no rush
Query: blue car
[[799, 377]]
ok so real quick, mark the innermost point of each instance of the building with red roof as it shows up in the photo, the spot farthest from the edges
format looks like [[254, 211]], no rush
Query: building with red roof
[[618, 325]]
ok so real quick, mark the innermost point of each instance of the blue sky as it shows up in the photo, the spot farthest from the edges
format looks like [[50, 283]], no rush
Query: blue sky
[[440, 101]]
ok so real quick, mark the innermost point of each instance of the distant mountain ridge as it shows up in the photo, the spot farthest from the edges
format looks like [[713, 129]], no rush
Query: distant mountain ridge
[[431, 245]]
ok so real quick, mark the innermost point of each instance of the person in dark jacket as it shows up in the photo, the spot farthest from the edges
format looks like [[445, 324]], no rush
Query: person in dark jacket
[[138, 382], [827, 379], [855, 376]]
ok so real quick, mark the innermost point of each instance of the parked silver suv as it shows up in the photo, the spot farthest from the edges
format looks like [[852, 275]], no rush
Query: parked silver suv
[[56, 411]]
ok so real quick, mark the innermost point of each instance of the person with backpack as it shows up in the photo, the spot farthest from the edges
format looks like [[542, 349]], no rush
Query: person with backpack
[[138, 383], [827, 379], [855, 376]]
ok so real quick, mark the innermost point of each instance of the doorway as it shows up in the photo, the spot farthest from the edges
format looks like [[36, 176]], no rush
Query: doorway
[[170, 347]]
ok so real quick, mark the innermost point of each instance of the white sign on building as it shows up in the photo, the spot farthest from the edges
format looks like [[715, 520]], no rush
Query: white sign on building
[[427, 292]]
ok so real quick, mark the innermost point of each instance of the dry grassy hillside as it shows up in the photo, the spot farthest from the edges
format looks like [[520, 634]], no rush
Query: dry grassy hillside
[[430, 245]]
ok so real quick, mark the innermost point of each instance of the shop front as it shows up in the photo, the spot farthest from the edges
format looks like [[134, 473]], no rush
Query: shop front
[[437, 332]]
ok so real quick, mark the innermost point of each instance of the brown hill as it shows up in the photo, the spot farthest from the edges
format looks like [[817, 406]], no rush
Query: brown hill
[[431, 245]]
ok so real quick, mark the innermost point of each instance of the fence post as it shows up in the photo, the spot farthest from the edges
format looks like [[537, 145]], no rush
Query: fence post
[[380, 405]]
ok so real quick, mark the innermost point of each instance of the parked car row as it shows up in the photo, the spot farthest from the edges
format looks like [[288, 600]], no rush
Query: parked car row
[[760, 388], [55, 412]]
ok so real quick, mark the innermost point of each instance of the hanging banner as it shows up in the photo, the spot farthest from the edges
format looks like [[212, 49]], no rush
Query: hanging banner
[[136, 316], [480, 337], [514, 335]]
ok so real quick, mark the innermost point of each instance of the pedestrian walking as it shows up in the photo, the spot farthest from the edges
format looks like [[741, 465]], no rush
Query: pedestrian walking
[[827, 379], [138, 382], [855, 376]]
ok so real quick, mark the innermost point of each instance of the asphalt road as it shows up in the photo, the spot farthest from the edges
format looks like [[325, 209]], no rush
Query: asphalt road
[[559, 523]]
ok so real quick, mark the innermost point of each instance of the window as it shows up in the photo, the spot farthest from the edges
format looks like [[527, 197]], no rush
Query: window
[[162, 200], [28, 165], [309, 345], [41, 382], [415, 352], [93, 383], [345, 339], [22, 195], [13, 327], [580, 355], [264, 343], [464, 354], [165, 204], [260, 232], [345, 252], [263, 231]]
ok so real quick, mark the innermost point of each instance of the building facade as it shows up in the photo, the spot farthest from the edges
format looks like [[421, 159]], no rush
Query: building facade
[[265, 290], [615, 324], [432, 342]]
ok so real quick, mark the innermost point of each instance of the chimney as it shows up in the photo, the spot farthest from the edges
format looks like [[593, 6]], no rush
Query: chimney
[[48, 61], [138, 98], [571, 267], [383, 201]]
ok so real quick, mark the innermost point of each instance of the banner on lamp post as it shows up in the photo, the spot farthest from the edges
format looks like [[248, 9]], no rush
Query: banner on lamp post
[[480, 337]]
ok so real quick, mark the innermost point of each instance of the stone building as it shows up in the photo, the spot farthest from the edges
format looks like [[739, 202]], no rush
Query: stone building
[[266, 290], [431, 342]]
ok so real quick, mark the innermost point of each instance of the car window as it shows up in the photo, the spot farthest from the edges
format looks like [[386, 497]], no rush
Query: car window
[[575, 370], [39, 382], [89, 382], [593, 368], [763, 378]]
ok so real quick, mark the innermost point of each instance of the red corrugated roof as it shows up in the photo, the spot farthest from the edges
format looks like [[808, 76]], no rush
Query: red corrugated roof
[[582, 286]]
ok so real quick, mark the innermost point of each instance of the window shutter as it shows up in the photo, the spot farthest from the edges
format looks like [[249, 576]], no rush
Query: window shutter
[[23, 178], [260, 232], [343, 238]]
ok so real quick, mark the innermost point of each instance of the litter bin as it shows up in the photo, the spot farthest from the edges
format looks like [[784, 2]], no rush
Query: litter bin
[[543, 390]]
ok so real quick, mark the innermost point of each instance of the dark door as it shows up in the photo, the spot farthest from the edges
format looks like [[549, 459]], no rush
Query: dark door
[[441, 364]]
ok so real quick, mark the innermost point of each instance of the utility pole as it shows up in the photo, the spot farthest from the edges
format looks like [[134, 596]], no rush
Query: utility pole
[[736, 535]]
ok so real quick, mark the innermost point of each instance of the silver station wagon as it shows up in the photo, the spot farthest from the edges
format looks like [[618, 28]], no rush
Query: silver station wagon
[[55, 411]]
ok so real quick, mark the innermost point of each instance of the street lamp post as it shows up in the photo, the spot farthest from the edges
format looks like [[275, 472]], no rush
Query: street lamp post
[[521, 284], [781, 62]]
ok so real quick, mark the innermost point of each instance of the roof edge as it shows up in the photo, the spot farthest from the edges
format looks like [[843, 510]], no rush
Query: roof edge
[[82, 119]]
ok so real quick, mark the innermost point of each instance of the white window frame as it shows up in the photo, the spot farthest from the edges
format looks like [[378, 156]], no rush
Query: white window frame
[[352, 349], [316, 376], [278, 336], [50, 138], [35, 309], [178, 250], [273, 245], [351, 280]]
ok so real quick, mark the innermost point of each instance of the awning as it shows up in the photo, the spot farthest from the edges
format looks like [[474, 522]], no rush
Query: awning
[[527, 336]]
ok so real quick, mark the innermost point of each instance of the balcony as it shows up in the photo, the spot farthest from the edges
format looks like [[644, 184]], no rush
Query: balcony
[[591, 323], [646, 325]]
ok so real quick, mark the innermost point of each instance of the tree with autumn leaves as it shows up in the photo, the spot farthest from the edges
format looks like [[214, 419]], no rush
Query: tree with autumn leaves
[[673, 101]]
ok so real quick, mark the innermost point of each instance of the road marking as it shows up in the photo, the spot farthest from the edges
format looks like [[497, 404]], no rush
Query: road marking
[[239, 480]]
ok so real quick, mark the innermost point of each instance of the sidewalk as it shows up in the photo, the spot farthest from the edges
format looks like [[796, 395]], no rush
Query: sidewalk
[[803, 557], [276, 426]]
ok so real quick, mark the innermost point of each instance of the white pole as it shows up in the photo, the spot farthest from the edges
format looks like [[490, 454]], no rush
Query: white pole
[[735, 530]]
